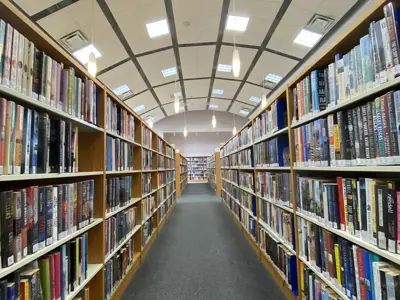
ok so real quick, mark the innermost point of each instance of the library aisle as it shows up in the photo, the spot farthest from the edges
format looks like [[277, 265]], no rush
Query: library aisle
[[201, 254]]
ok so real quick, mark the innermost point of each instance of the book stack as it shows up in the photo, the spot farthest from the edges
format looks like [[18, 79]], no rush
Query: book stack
[[230, 175], [38, 216], [170, 189], [160, 145], [248, 222], [170, 151], [160, 162], [248, 201], [246, 180], [147, 183], [117, 266], [272, 153], [118, 227], [119, 121], [275, 187], [170, 176], [34, 74], [231, 189], [147, 231], [118, 192], [161, 213], [169, 163], [271, 120], [119, 155], [245, 158], [282, 259], [147, 137], [148, 206], [147, 159], [161, 178], [160, 196], [246, 136], [231, 146]]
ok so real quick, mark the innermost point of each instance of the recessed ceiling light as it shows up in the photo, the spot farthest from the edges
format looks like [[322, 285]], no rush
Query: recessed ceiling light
[[307, 38], [218, 92], [224, 68], [273, 78], [213, 106], [244, 112], [237, 23], [138, 108], [83, 54], [158, 28], [169, 72], [120, 90], [178, 94], [254, 99]]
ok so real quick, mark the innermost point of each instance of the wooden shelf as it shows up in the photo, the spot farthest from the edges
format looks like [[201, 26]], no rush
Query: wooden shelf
[[132, 202], [122, 138], [92, 270], [122, 243], [48, 176]]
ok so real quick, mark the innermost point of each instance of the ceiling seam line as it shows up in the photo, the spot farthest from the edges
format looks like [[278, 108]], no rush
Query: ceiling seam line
[[52, 9]]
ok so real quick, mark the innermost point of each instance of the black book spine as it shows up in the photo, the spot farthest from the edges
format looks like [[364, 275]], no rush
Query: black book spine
[[345, 147], [24, 218], [351, 135], [37, 72], [357, 221], [352, 272], [321, 90], [7, 241], [356, 133], [371, 136], [342, 262], [49, 215], [365, 131], [42, 217], [68, 133], [42, 160], [55, 142], [360, 126], [363, 205], [326, 87], [43, 79], [73, 279], [350, 205], [391, 216], [394, 142], [381, 196]]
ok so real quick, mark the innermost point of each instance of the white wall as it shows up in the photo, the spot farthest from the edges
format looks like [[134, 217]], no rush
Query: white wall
[[200, 144]]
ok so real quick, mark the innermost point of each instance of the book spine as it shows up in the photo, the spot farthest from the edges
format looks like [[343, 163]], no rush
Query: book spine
[[3, 120], [55, 214], [20, 61], [386, 127], [18, 153], [394, 142], [7, 237], [16, 202], [2, 45], [25, 223], [14, 60], [29, 73], [49, 215], [43, 143], [43, 80], [381, 212], [34, 143], [387, 49], [7, 56], [25, 67], [381, 52], [37, 73], [391, 216], [26, 140], [42, 218]]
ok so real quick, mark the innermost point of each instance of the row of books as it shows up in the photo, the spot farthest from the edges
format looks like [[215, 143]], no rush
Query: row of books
[[147, 183], [118, 227], [271, 120], [160, 162], [147, 231], [364, 135], [279, 221], [246, 180], [283, 260], [118, 192], [119, 120], [160, 145], [364, 207], [371, 63], [246, 136], [170, 189], [148, 206], [161, 213], [33, 143], [357, 272], [231, 175], [169, 163], [161, 178], [276, 187], [170, 151], [147, 137], [160, 196], [232, 189], [232, 145], [31, 72], [245, 158], [117, 266], [38, 216], [170, 176], [119, 155], [248, 221], [147, 159], [248, 201], [272, 153]]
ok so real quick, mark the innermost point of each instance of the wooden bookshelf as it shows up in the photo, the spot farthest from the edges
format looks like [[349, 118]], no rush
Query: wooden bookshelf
[[214, 172], [181, 173], [92, 165], [197, 168], [348, 40]]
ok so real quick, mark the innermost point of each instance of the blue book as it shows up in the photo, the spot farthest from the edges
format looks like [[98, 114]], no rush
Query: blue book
[[34, 142], [49, 214], [314, 91], [281, 109], [293, 232], [372, 258], [10, 291], [42, 217], [283, 147], [293, 274], [346, 266], [368, 272], [26, 141], [63, 271], [338, 58], [254, 205]]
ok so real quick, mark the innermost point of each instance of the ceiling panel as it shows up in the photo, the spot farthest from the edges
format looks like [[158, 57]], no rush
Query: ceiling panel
[[197, 88], [166, 92], [249, 90], [152, 66], [145, 98], [157, 115], [197, 61], [33, 7], [124, 74], [225, 58], [169, 109], [197, 104], [236, 107], [77, 16], [271, 63], [229, 87], [222, 104], [132, 17], [197, 20], [261, 14]]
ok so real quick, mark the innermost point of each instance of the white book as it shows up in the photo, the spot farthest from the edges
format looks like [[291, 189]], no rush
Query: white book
[[20, 62], [25, 67], [387, 49], [14, 60], [29, 73], [55, 214]]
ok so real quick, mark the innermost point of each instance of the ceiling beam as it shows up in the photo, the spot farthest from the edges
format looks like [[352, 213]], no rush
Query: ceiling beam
[[220, 37], [52, 9], [268, 36], [154, 51], [117, 64], [117, 30]]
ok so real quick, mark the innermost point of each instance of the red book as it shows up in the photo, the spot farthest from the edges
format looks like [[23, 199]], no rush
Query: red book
[[52, 277], [57, 275], [361, 274], [341, 204]]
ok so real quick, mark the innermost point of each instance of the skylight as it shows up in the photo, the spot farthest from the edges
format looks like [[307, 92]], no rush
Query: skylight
[[307, 38], [244, 112], [169, 72], [224, 68], [178, 94], [213, 106], [158, 28], [254, 99], [217, 92], [83, 54], [237, 23], [138, 108], [120, 90], [273, 78]]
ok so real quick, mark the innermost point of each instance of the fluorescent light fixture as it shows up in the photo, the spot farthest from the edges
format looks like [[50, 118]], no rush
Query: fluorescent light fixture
[[254, 99], [307, 38], [213, 106], [178, 94], [169, 72], [224, 68], [217, 92], [237, 23], [158, 28], [121, 90], [273, 78], [138, 108], [83, 54], [244, 112]]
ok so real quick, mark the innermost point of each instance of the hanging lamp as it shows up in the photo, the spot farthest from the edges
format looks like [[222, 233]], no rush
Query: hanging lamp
[[92, 65], [235, 55]]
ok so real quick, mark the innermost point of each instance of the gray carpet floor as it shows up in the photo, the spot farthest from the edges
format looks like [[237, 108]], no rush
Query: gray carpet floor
[[201, 254]]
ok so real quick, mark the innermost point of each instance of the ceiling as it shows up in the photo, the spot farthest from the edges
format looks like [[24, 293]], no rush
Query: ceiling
[[196, 43]]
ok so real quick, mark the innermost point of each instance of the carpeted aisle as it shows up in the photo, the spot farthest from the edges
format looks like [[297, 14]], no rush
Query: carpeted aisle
[[201, 254]]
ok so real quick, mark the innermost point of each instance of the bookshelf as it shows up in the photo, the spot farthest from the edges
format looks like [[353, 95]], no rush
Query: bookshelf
[[111, 149], [272, 168], [214, 172], [197, 167], [181, 165]]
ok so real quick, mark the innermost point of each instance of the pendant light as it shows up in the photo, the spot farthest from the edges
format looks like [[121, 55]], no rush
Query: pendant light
[[234, 131], [235, 55], [176, 98], [92, 65], [185, 133], [150, 123], [213, 118]]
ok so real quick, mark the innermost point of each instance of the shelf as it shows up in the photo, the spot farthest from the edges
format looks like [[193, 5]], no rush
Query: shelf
[[272, 135], [272, 168], [150, 238], [132, 202], [40, 106], [48, 176], [277, 236], [380, 169], [92, 270], [148, 171], [148, 194], [122, 138], [247, 190], [122, 172], [28, 259], [287, 208], [124, 241], [148, 148], [149, 216], [158, 207]]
